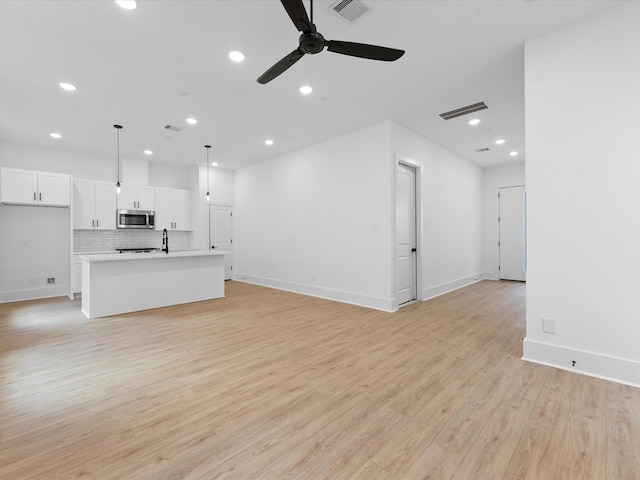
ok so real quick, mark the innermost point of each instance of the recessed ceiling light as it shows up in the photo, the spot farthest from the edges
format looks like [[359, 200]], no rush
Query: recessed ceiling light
[[306, 89], [513, 154], [192, 121], [127, 4], [236, 56], [148, 152], [475, 121], [214, 164], [69, 87], [55, 135], [268, 142], [500, 141]]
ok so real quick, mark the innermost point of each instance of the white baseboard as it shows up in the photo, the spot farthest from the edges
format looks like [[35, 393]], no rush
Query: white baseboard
[[490, 276], [431, 292], [34, 294], [384, 304], [606, 367]]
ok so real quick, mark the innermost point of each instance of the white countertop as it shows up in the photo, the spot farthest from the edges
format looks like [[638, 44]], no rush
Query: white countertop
[[110, 257]]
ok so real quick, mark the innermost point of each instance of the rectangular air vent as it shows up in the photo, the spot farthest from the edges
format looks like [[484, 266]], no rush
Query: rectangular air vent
[[350, 10], [172, 128], [458, 112]]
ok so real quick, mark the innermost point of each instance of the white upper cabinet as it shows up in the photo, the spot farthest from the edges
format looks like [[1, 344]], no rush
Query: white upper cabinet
[[181, 210], [94, 205], [28, 187], [173, 209], [136, 197]]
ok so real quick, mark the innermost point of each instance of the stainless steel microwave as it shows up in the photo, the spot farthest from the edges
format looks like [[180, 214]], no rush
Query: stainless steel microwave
[[135, 219]]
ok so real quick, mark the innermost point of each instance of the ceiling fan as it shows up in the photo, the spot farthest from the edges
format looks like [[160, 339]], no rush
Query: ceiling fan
[[313, 42]]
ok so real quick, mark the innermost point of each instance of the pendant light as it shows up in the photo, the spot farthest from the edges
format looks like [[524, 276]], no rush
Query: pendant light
[[207, 147], [118, 128]]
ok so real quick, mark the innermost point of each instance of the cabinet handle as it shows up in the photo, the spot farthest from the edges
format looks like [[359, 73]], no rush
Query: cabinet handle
[[34, 196], [97, 223], [40, 196], [93, 223]]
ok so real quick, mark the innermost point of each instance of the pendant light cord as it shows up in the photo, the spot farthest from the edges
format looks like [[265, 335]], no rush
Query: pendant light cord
[[118, 142], [118, 128], [207, 147]]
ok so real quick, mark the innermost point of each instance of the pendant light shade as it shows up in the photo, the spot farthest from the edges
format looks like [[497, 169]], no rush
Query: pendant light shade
[[118, 128], [207, 165]]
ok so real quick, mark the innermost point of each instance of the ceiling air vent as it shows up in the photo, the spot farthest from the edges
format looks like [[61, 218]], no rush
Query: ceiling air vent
[[172, 128], [458, 112], [485, 149], [350, 10]]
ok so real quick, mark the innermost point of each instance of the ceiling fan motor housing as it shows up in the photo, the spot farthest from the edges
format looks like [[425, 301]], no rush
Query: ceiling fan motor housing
[[311, 42]]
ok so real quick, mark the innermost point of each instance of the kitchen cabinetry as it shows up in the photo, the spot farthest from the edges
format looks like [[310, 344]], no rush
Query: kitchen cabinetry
[[29, 187], [173, 209], [136, 197], [76, 274], [94, 205]]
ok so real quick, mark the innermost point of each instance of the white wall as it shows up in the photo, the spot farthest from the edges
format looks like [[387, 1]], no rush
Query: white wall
[[303, 220], [220, 188], [34, 245], [168, 176], [134, 171], [451, 191], [493, 179], [58, 160], [583, 168]]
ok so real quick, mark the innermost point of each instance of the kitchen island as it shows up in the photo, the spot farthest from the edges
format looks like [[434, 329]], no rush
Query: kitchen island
[[122, 283]]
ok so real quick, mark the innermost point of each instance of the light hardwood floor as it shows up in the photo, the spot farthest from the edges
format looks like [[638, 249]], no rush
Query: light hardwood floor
[[265, 384]]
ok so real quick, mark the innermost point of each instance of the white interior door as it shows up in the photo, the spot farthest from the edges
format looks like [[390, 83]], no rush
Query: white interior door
[[406, 265], [221, 234], [512, 226]]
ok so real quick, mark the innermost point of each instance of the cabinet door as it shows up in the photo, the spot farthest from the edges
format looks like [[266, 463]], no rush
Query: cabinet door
[[54, 189], [181, 209], [18, 186], [105, 206], [146, 198], [127, 199], [84, 204], [164, 208]]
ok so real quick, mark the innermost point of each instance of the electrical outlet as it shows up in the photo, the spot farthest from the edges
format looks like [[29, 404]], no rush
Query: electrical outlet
[[313, 278], [548, 325], [51, 280]]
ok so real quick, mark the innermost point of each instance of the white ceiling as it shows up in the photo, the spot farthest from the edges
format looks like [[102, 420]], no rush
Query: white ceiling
[[167, 60]]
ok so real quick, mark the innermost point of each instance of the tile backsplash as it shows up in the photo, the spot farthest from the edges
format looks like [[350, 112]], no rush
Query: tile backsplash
[[109, 240]]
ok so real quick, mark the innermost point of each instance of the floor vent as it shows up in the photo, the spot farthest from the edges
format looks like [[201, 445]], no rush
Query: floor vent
[[350, 10], [458, 112], [172, 128], [485, 149]]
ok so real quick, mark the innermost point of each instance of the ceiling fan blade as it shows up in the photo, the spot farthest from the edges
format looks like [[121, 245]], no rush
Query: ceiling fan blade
[[298, 15], [281, 66], [363, 50]]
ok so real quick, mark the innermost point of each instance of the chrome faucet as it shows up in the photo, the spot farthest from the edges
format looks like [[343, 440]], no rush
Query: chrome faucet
[[165, 241]]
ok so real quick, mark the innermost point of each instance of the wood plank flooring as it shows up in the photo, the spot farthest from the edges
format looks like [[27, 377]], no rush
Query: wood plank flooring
[[265, 384]]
